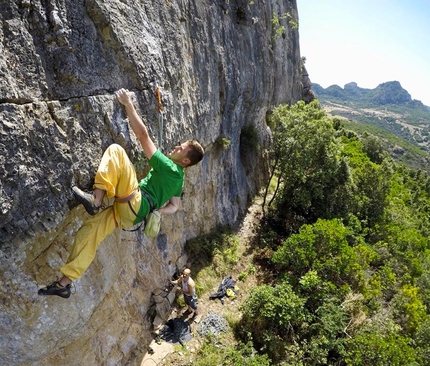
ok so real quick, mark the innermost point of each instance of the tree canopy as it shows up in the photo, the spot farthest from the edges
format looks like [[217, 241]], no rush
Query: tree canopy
[[348, 230]]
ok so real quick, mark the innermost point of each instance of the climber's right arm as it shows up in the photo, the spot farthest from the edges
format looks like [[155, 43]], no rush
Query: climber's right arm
[[136, 123]]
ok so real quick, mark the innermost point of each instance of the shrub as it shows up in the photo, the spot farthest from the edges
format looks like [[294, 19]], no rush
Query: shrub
[[323, 248], [270, 315], [374, 348], [240, 355]]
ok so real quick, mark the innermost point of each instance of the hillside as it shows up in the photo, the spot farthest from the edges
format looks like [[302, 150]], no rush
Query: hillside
[[338, 272], [387, 111]]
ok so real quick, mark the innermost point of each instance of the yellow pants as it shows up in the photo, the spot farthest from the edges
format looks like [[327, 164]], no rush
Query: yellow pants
[[116, 176]]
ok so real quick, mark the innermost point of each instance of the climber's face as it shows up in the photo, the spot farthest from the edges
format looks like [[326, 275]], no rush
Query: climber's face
[[186, 274], [179, 153]]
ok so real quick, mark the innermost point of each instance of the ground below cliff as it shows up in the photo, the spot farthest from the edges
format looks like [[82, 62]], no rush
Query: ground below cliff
[[176, 355]]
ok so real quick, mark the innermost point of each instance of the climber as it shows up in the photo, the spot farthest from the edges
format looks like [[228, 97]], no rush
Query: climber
[[116, 177], [188, 288]]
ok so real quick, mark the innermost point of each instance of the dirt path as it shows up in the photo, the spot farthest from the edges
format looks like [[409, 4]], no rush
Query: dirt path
[[168, 354]]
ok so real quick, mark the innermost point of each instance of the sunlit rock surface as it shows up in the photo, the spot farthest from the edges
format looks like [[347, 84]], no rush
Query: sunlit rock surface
[[221, 67]]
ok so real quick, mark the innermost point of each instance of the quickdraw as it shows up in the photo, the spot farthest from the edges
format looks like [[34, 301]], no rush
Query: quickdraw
[[160, 109]]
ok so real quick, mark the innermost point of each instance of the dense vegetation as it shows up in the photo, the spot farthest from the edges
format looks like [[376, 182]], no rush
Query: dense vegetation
[[401, 149], [344, 250], [348, 229]]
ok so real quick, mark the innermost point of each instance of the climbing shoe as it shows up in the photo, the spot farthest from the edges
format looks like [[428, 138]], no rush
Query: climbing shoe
[[87, 199], [55, 289]]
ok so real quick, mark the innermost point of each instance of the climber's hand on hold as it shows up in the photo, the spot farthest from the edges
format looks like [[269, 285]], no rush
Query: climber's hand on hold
[[124, 96]]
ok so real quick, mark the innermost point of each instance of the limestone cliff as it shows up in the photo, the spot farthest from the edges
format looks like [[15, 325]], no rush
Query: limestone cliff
[[221, 66]]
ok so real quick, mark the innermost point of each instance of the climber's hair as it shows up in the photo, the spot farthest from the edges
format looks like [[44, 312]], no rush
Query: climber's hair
[[196, 152]]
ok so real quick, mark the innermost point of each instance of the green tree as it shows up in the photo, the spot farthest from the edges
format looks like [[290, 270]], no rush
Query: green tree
[[324, 248], [211, 354], [423, 282], [373, 148], [409, 311], [422, 340], [307, 160], [380, 347], [370, 183], [272, 316]]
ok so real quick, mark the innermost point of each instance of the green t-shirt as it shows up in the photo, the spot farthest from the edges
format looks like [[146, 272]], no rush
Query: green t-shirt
[[164, 181]]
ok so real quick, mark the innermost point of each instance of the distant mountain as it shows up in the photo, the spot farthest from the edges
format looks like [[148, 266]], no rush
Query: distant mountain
[[388, 107], [387, 93]]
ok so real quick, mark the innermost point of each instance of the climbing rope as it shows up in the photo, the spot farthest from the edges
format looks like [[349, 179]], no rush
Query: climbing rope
[[160, 109], [213, 324], [149, 359], [158, 295], [139, 239], [167, 288]]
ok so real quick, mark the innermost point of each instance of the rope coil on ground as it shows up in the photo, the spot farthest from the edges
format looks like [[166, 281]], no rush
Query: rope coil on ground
[[213, 324]]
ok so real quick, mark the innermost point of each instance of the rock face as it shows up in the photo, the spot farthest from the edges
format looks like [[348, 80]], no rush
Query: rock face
[[308, 95], [221, 67]]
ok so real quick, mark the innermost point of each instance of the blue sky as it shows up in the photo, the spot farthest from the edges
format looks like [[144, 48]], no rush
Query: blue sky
[[369, 42]]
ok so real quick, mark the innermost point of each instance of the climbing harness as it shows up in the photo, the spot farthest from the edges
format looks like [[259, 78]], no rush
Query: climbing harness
[[128, 199], [148, 197], [160, 109]]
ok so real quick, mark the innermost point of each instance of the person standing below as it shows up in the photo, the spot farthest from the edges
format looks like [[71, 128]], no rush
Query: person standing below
[[116, 177], [188, 289]]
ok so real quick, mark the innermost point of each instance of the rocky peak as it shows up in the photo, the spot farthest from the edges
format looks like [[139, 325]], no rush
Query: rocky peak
[[390, 92]]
